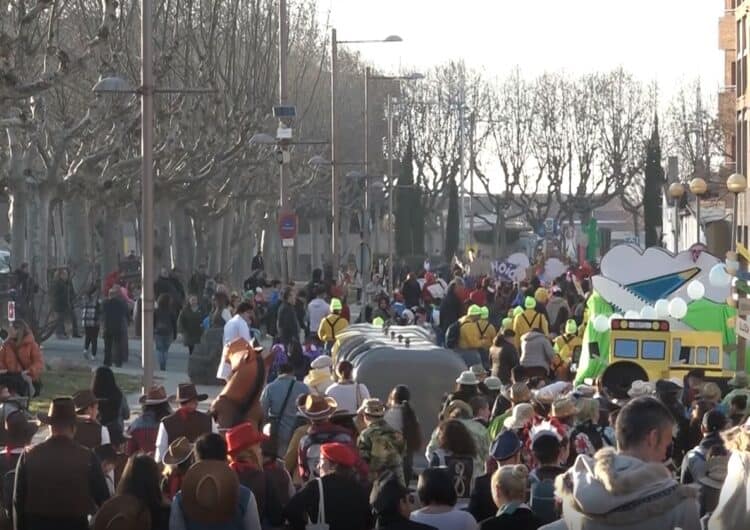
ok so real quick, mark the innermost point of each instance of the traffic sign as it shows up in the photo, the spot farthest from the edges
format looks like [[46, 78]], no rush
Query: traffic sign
[[287, 243], [288, 225], [11, 311]]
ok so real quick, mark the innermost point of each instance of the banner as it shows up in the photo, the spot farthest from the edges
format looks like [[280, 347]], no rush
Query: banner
[[512, 269]]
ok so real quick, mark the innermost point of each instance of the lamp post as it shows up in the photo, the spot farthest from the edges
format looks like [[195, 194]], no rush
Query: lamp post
[[676, 192], [736, 184], [335, 242], [698, 187]]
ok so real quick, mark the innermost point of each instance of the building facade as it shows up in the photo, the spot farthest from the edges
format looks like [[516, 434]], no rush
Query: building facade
[[734, 99]]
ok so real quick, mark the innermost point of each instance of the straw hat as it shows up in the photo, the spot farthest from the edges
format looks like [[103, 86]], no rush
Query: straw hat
[[478, 370], [318, 377], [521, 415], [467, 377], [563, 408], [122, 512], [210, 491], [155, 396], [640, 388], [179, 451], [520, 393], [316, 407]]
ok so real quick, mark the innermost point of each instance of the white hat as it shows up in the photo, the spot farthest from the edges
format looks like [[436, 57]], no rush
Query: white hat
[[640, 388], [322, 361], [467, 377], [544, 428], [493, 383], [522, 414]]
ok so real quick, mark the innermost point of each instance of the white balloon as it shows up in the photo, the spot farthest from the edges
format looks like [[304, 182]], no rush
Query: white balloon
[[678, 308], [632, 315], [718, 276], [662, 308], [601, 323], [696, 290], [648, 312]]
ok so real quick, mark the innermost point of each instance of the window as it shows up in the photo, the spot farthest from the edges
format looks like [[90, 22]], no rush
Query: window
[[701, 355], [653, 350], [676, 349], [626, 348], [713, 355]]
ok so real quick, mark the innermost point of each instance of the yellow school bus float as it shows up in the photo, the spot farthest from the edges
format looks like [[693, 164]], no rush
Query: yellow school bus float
[[649, 350]]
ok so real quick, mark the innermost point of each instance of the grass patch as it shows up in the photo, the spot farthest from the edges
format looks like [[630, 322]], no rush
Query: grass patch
[[65, 382]]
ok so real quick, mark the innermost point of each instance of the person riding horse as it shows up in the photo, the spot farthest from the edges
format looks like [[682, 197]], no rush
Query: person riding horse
[[239, 400]]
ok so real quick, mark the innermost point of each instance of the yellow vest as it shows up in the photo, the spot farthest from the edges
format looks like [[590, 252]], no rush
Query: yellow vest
[[526, 321], [331, 326], [565, 345]]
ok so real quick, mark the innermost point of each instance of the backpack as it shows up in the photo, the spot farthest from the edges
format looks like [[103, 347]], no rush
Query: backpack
[[542, 498], [452, 335], [311, 449], [8, 482]]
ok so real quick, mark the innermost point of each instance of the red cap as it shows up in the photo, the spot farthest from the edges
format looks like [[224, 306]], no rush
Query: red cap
[[243, 436], [339, 453]]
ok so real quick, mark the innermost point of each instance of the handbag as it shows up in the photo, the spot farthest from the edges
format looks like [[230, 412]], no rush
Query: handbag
[[321, 523]]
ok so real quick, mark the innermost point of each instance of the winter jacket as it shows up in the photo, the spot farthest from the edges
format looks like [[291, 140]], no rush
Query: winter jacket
[[189, 324], [25, 356], [451, 309], [63, 295], [694, 464], [618, 492], [536, 350], [733, 510], [331, 327], [554, 306], [528, 320], [115, 315], [469, 337], [165, 324], [90, 312], [503, 359], [287, 325], [412, 293]]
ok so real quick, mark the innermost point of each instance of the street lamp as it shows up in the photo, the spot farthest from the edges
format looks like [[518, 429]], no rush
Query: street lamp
[[335, 243], [736, 184], [698, 187], [676, 192]]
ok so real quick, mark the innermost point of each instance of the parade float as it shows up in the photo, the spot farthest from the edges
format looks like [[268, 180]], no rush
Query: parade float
[[654, 314]]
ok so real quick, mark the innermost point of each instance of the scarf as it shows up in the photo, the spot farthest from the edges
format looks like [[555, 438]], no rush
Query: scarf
[[184, 413]]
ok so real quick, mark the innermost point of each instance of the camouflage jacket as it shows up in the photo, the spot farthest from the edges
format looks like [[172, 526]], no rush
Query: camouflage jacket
[[382, 447]]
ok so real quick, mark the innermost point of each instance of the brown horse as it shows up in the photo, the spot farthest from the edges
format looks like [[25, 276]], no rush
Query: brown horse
[[239, 401]]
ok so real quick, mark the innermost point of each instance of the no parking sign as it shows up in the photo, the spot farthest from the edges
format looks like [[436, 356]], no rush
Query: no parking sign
[[11, 311]]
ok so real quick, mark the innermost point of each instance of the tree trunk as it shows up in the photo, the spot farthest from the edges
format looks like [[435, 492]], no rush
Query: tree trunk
[[18, 225], [58, 235], [39, 234], [109, 247], [636, 230], [226, 245], [213, 243], [182, 240], [162, 246], [77, 251], [199, 234]]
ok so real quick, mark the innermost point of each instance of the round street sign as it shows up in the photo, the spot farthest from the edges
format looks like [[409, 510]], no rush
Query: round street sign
[[287, 225]]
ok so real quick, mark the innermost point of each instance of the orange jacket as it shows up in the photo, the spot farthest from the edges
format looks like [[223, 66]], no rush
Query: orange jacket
[[28, 352]]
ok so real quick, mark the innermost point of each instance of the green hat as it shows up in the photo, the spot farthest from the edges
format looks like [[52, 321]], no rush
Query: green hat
[[378, 322], [507, 323], [484, 313], [517, 310], [571, 328], [529, 302], [335, 304], [474, 310]]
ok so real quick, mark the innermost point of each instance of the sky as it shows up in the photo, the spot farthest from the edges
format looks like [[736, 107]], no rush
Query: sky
[[668, 41]]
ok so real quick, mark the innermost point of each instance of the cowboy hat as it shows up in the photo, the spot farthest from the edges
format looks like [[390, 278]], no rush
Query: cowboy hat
[[520, 393], [522, 414], [156, 395], [122, 512], [210, 492], [563, 408], [62, 411], [187, 392], [372, 407], [19, 429], [179, 451], [316, 407], [739, 380], [467, 377], [317, 377], [84, 399], [243, 436]]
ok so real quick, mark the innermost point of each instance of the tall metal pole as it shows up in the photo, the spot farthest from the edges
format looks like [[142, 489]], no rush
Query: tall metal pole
[[283, 184], [366, 260], [471, 186], [389, 112], [462, 189], [735, 217], [676, 222], [697, 218], [147, 193], [335, 243]]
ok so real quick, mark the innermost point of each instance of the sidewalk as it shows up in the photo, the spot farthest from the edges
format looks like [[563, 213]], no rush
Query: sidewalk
[[177, 363]]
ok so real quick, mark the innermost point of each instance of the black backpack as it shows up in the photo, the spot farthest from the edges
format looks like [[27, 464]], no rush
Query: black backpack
[[452, 335]]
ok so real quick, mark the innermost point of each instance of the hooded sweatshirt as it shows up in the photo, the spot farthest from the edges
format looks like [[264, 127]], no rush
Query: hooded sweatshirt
[[618, 492], [536, 350]]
